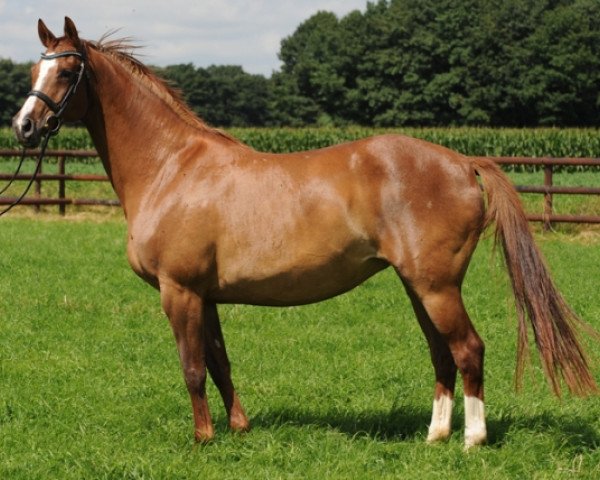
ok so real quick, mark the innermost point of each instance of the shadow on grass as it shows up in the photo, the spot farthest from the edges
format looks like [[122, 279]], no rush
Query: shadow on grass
[[409, 423], [571, 431], [401, 424]]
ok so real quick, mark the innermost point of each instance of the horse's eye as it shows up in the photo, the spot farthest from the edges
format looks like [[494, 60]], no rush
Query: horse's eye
[[67, 74]]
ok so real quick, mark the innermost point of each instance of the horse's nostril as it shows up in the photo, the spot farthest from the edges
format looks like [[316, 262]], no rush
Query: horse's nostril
[[27, 127]]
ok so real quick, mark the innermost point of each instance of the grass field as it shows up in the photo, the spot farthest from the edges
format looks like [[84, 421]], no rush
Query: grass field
[[90, 384]]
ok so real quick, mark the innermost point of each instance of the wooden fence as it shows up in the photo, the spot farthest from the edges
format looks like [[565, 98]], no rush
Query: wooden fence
[[548, 189], [36, 199]]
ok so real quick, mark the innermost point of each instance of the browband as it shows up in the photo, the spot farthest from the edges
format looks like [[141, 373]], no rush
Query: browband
[[70, 53]]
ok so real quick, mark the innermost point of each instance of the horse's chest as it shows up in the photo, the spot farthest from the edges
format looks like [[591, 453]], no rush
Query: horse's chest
[[173, 253], [143, 260]]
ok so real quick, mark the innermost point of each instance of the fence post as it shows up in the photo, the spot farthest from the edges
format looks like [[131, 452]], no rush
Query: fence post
[[547, 197], [62, 207]]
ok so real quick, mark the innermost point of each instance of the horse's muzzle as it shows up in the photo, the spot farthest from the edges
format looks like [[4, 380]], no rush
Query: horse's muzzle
[[28, 134]]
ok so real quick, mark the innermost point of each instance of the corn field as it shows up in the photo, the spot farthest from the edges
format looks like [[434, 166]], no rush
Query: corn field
[[547, 142]]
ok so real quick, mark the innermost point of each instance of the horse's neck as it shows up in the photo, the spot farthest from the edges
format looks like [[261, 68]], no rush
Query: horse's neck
[[133, 131]]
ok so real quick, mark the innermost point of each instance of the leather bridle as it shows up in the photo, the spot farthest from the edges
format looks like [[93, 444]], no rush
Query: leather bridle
[[59, 108]]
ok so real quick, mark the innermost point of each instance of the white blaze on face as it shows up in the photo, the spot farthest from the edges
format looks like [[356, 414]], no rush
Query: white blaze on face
[[47, 67]]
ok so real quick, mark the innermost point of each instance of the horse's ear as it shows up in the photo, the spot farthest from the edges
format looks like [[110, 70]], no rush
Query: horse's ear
[[46, 36], [71, 32]]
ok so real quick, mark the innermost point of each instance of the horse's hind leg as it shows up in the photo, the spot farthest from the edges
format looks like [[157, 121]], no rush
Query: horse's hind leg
[[446, 312], [220, 370], [445, 374]]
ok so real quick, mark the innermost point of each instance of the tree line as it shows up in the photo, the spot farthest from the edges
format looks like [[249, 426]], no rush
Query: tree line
[[405, 63]]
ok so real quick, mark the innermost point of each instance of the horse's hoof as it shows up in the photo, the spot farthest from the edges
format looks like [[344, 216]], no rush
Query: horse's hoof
[[438, 435], [475, 440], [204, 436], [239, 425]]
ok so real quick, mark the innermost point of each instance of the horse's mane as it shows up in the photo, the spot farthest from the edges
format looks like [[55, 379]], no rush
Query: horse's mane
[[121, 50]]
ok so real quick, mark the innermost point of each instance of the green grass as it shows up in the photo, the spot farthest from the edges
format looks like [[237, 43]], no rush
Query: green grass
[[90, 383]]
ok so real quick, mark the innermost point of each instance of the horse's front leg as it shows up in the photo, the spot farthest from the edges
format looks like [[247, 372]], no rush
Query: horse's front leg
[[220, 369], [186, 313]]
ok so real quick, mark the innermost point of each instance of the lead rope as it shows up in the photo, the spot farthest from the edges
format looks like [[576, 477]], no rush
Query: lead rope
[[33, 177], [14, 176]]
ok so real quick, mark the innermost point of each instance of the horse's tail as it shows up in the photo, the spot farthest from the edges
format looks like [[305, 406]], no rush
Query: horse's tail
[[552, 320]]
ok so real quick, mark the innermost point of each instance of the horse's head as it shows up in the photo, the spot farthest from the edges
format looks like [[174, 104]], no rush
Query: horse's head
[[55, 96]]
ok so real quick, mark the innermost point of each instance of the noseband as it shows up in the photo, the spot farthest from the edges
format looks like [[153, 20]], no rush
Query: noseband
[[59, 108], [56, 117]]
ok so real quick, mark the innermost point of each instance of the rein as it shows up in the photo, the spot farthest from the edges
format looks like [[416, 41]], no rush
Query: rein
[[53, 127], [33, 176]]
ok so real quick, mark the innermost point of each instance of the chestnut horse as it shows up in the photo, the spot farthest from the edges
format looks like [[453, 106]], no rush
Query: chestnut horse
[[210, 220]]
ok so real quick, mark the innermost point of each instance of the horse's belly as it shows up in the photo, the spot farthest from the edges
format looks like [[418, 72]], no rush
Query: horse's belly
[[299, 285]]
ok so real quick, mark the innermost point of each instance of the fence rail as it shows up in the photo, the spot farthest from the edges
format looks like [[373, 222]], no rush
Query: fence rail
[[548, 189]]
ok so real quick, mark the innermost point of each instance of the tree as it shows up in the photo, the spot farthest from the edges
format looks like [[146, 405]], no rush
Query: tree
[[313, 58], [565, 78], [288, 106], [14, 85], [403, 62], [224, 96], [443, 62]]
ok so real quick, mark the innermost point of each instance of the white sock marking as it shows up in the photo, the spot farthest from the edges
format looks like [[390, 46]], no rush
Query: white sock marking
[[475, 429], [441, 419]]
